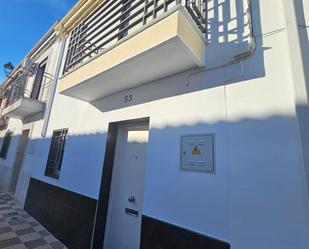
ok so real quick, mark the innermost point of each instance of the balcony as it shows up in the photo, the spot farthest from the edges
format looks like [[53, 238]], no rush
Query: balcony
[[124, 44], [20, 102]]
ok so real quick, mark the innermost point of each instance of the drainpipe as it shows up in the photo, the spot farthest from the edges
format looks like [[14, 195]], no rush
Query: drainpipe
[[53, 89]]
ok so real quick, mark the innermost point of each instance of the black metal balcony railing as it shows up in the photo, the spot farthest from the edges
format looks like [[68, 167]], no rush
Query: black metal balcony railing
[[18, 88], [15, 91], [115, 19]]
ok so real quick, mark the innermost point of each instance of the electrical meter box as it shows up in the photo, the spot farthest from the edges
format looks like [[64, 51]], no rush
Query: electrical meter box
[[197, 153]]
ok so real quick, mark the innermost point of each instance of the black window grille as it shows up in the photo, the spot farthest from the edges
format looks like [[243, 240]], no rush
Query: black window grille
[[5, 145], [36, 90], [55, 155]]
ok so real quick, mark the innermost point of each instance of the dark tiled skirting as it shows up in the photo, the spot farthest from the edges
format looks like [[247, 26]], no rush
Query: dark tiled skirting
[[68, 216], [160, 235], [20, 231]]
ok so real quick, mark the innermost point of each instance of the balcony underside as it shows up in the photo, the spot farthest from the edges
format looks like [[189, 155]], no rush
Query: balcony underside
[[23, 108], [171, 45]]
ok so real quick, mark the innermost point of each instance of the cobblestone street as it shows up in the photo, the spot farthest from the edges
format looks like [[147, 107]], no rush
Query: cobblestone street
[[18, 230]]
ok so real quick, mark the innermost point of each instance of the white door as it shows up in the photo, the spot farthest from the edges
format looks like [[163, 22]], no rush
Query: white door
[[127, 191]]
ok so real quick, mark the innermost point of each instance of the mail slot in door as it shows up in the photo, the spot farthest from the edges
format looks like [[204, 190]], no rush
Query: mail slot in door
[[131, 212]]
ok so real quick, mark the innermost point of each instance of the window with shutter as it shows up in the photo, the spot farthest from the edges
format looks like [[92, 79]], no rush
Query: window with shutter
[[55, 155]]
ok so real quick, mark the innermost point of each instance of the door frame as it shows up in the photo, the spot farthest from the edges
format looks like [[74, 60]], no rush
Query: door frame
[[19, 158], [101, 216], [115, 177]]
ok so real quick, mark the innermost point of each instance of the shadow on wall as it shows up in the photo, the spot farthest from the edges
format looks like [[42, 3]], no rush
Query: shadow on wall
[[252, 156], [303, 34], [229, 34], [302, 110], [230, 29]]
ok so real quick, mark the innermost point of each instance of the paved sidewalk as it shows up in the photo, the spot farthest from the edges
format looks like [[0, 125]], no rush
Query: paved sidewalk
[[18, 230]]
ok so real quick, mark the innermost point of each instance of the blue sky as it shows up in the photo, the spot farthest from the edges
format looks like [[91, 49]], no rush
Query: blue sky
[[23, 23]]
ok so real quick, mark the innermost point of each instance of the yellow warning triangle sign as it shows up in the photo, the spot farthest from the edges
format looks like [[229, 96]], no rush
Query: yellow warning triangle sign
[[196, 151]]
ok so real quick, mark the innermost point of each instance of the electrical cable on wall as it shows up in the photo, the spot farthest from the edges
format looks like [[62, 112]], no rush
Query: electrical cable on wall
[[239, 57]]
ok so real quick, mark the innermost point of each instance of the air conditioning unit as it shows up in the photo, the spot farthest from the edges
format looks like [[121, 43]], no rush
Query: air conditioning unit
[[29, 67]]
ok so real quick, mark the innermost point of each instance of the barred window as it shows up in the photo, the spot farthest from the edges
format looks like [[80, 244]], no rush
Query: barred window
[[39, 78], [55, 155], [5, 144]]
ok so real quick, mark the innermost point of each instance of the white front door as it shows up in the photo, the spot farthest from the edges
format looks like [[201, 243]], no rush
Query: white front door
[[127, 190]]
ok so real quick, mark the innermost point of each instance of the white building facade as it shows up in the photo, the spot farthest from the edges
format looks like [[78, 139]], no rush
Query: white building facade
[[26, 94], [169, 124]]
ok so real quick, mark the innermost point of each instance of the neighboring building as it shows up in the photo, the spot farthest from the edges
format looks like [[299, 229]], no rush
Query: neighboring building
[[25, 96], [174, 125]]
